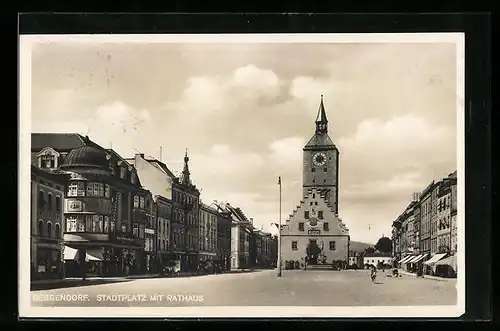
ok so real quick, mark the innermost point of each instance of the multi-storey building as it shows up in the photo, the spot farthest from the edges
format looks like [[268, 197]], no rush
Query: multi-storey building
[[443, 231], [224, 224], [240, 239], [47, 223], [434, 216], [163, 235], [425, 219], [208, 233], [453, 213], [315, 221], [185, 226], [101, 224]]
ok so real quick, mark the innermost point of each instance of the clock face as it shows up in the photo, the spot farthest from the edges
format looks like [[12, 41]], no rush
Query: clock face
[[319, 159], [313, 221]]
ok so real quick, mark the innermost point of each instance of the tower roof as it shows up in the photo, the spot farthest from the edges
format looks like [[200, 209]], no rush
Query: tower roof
[[320, 139]]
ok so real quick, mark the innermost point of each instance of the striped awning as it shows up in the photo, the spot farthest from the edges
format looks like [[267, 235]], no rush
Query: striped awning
[[406, 258], [435, 258], [418, 258]]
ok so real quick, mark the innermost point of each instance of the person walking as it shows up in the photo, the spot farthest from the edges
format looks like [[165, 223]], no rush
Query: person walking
[[373, 273]]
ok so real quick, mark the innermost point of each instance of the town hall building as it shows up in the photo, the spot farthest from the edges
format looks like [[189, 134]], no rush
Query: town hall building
[[315, 221]]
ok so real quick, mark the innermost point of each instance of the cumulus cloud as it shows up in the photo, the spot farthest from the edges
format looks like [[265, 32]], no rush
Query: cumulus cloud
[[245, 119]]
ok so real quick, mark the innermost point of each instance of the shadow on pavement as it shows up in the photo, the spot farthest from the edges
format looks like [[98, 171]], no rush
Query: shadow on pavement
[[69, 284]]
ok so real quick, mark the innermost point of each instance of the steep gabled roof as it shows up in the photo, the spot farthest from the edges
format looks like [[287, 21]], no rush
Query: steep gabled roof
[[62, 142], [320, 140]]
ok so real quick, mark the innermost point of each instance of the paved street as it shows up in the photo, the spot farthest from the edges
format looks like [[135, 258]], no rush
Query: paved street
[[260, 288]]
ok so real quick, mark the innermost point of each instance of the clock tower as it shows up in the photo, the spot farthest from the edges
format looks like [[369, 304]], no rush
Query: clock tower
[[321, 162]]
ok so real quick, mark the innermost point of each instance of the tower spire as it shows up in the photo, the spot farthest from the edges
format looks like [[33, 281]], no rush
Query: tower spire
[[185, 171], [321, 120]]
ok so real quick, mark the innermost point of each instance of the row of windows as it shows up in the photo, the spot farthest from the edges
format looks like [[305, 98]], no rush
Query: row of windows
[[49, 231], [314, 169], [140, 202], [444, 204], [307, 216], [331, 245], [163, 227], [181, 197], [89, 189], [325, 226], [47, 161], [49, 202], [90, 223]]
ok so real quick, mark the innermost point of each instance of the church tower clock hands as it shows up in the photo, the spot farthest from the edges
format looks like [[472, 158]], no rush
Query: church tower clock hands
[[321, 162]]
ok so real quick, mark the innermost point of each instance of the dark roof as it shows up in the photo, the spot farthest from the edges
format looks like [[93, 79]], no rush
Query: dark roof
[[55, 176], [320, 140], [86, 157], [62, 142]]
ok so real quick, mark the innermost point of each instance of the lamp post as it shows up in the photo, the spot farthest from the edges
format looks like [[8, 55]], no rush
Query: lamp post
[[279, 232]]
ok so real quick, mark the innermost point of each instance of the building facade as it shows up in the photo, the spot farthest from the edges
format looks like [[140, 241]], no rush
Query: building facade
[[377, 259], [315, 220], [443, 231], [224, 224], [240, 239], [426, 218], [102, 226], [163, 219], [47, 224], [434, 217], [207, 233]]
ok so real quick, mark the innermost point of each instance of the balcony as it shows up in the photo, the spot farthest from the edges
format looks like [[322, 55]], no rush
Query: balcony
[[139, 216]]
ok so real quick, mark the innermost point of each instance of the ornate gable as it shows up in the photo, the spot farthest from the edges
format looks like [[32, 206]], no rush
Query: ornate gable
[[310, 216]]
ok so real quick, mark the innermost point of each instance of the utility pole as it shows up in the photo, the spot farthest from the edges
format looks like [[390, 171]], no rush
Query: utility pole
[[279, 232]]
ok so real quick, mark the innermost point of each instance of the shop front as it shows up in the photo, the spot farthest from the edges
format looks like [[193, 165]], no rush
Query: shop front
[[102, 254], [48, 261]]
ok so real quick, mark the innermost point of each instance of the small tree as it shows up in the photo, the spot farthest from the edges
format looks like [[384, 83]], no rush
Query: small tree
[[369, 250]]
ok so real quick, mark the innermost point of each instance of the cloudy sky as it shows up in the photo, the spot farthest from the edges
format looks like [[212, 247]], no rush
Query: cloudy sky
[[245, 110]]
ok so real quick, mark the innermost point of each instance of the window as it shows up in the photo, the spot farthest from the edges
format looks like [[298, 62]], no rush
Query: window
[[48, 161], [294, 245], [80, 225], [332, 245], [135, 230], [320, 214], [95, 223], [70, 225], [58, 203], [314, 195], [80, 189], [101, 189], [90, 189], [133, 178], [124, 227], [315, 203], [313, 170], [40, 228], [141, 202], [41, 199], [141, 231], [301, 226], [106, 190], [325, 227], [58, 231], [136, 201], [325, 169], [49, 229], [97, 190], [49, 201], [306, 214], [314, 180], [72, 189], [112, 226], [123, 172]]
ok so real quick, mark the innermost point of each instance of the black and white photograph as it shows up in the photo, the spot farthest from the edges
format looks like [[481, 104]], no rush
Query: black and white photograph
[[301, 175]]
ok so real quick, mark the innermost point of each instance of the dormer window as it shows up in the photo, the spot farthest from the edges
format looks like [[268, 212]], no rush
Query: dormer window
[[123, 172], [133, 178], [47, 158]]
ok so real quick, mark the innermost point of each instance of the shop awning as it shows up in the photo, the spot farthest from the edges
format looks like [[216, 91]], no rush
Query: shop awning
[[406, 258], [70, 253], [450, 261], [94, 254], [435, 258], [413, 258], [419, 258]]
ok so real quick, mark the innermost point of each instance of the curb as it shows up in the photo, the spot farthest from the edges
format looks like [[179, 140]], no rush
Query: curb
[[405, 273]]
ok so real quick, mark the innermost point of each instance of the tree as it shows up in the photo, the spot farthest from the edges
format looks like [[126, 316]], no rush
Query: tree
[[384, 245], [313, 250], [369, 250]]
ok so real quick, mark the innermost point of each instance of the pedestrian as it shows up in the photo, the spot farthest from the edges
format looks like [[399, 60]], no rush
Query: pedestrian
[[373, 273]]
